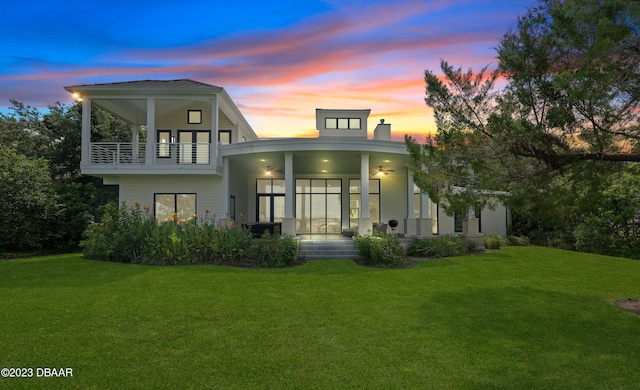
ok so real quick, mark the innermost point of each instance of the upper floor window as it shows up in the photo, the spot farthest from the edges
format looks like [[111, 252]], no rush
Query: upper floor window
[[194, 117], [342, 123], [224, 137]]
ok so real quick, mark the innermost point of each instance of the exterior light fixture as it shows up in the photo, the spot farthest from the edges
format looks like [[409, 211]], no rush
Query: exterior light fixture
[[77, 96]]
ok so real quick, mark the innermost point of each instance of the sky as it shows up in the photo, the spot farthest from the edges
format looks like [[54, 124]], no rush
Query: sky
[[278, 60]]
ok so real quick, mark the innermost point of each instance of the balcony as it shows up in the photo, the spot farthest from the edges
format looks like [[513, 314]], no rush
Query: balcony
[[109, 157]]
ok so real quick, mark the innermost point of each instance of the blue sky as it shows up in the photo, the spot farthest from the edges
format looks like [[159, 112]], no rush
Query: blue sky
[[279, 60]]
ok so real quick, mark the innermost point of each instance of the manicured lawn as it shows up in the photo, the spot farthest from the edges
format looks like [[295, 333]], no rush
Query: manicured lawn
[[521, 317]]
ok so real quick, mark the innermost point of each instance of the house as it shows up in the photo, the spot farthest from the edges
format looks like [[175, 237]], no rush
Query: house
[[200, 156]]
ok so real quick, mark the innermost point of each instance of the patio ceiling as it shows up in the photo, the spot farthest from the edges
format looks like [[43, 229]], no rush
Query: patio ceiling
[[326, 162]]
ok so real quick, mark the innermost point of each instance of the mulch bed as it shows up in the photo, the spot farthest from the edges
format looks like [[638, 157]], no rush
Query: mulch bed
[[632, 305]]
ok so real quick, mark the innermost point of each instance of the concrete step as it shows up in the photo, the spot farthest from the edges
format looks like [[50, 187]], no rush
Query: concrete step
[[323, 248]]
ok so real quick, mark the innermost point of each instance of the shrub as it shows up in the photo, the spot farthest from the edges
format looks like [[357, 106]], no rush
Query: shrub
[[518, 241], [444, 246], [379, 249], [120, 236], [132, 235], [275, 250], [492, 241]]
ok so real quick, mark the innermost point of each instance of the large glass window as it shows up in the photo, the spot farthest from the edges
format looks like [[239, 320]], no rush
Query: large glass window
[[318, 206], [355, 189], [174, 207]]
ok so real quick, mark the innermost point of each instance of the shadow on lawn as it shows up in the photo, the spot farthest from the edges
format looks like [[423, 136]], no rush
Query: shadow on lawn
[[64, 271], [521, 332]]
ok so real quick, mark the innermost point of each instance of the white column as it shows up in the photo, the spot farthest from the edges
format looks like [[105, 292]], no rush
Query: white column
[[410, 201], [364, 185], [289, 220], [213, 157], [410, 223], [135, 134], [288, 185], [364, 221], [85, 154], [151, 131], [226, 193], [425, 206]]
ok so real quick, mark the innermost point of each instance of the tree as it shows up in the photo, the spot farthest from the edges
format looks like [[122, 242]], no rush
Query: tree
[[567, 116], [29, 208], [53, 140]]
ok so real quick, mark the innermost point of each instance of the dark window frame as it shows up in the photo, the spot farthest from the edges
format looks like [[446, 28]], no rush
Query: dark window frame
[[189, 121], [349, 125]]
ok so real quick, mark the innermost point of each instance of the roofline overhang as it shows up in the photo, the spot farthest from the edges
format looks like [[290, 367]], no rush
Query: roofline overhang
[[284, 145]]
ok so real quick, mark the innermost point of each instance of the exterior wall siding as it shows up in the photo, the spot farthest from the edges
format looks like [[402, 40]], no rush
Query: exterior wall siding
[[495, 221], [141, 189]]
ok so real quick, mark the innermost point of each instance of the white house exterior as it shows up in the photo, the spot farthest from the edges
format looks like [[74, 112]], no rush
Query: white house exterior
[[200, 156]]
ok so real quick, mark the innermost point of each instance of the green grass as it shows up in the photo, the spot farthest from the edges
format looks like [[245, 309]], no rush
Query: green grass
[[521, 317]]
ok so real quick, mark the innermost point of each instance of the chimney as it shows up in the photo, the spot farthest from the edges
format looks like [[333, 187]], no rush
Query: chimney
[[382, 131]]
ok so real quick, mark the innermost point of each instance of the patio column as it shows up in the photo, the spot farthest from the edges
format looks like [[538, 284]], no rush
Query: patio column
[[425, 222], [85, 155], [213, 152], [471, 228], [226, 169], [364, 220], [151, 131], [289, 220], [410, 222], [135, 133]]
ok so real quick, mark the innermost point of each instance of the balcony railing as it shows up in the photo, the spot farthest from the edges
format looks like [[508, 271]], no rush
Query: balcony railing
[[129, 154], [106, 153]]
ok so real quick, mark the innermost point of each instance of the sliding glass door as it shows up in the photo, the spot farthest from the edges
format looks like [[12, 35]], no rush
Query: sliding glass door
[[318, 206], [194, 146]]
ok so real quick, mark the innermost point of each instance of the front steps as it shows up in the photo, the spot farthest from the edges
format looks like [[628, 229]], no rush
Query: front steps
[[322, 247]]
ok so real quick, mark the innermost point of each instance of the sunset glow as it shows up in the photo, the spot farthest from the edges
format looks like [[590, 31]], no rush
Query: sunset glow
[[279, 61]]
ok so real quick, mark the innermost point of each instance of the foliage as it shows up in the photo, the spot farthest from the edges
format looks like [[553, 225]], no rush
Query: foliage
[[614, 227], [444, 246], [30, 208], [120, 235], [517, 240], [55, 137], [379, 249], [132, 235], [493, 241], [275, 250], [564, 120]]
